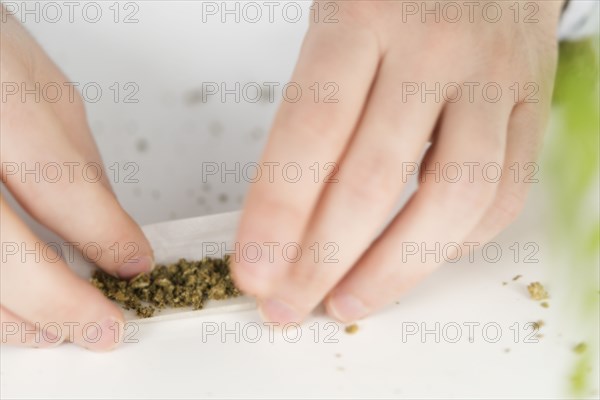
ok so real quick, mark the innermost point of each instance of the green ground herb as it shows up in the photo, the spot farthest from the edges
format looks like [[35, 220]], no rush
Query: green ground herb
[[538, 324], [182, 284], [580, 348], [351, 329], [537, 291]]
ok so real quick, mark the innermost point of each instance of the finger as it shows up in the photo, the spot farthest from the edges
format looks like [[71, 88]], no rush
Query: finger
[[37, 286], [60, 95], [443, 211], [309, 133], [525, 134], [70, 110], [18, 332], [58, 186], [392, 134]]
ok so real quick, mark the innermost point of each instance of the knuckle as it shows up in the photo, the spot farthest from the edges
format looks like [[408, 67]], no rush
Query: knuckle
[[367, 23], [373, 179], [464, 197], [509, 205], [363, 15], [321, 127]]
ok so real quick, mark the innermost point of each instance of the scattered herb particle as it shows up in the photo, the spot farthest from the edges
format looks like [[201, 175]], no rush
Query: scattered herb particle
[[580, 348], [544, 304], [216, 128], [195, 96], [504, 283], [538, 324], [517, 277], [183, 284], [537, 291], [141, 145], [351, 329]]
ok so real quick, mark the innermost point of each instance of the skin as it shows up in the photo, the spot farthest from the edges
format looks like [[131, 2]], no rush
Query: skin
[[370, 133], [80, 211]]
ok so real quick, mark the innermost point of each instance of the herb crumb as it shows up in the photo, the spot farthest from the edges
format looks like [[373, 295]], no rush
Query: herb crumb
[[537, 291], [538, 324], [351, 329], [580, 348], [182, 284]]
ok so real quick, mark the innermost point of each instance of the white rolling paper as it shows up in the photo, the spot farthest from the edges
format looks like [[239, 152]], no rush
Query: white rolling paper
[[193, 239]]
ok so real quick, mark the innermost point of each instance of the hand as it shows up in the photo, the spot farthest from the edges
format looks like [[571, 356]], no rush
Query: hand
[[38, 291], [376, 54]]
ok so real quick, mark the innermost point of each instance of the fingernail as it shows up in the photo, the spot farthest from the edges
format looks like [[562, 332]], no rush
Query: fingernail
[[135, 267], [346, 308], [276, 311], [107, 337]]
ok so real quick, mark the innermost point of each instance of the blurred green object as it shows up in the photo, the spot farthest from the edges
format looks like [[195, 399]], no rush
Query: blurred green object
[[573, 167]]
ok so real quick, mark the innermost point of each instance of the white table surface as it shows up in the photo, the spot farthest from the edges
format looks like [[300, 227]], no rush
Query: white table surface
[[168, 54]]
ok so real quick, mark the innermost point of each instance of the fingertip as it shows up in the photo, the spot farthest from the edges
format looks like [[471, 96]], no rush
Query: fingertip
[[345, 307], [102, 328], [107, 336], [136, 266], [250, 280]]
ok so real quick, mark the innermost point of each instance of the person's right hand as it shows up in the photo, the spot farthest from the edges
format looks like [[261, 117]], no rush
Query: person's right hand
[[346, 237], [38, 290]]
